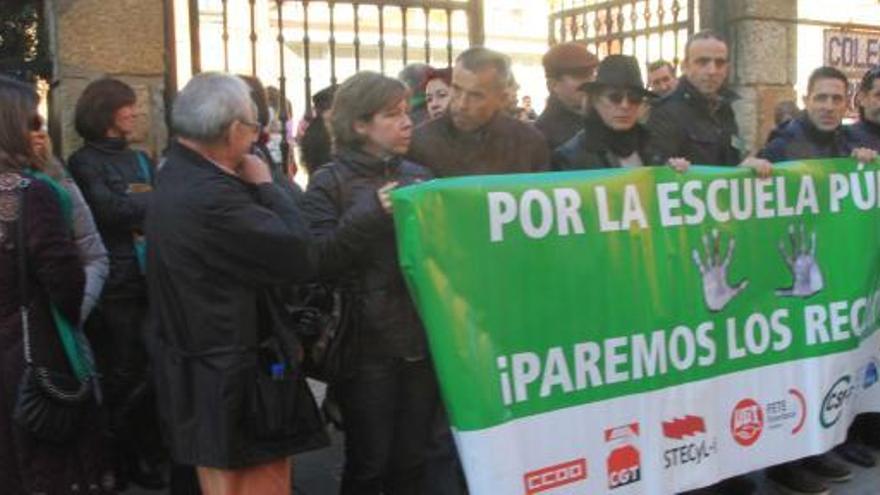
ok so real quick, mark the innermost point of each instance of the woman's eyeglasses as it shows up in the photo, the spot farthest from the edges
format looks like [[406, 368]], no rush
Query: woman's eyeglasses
[[617, 97]]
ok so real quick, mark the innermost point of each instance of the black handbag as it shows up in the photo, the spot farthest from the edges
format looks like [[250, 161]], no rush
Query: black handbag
[[326, 326], [50, 405]]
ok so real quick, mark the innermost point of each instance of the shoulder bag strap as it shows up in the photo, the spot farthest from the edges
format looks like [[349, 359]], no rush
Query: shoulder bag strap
[[21, 249]]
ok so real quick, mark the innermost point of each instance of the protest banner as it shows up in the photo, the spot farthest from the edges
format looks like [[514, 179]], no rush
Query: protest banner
[[643, 331]]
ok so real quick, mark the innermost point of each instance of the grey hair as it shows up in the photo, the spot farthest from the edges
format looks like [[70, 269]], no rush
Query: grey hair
[[208, 104], [478, 58]]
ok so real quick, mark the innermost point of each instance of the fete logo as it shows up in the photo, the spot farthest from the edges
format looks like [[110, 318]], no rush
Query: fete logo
[[791, 410], [746, 422], [624, 461], [555, 476], [835, 400], [694, 444]]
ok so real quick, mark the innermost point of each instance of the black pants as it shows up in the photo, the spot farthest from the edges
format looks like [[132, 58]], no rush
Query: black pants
[[387, 407], [443, 471], [121, 355]]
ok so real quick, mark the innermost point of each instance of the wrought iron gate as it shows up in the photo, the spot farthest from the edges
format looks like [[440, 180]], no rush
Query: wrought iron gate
[[337, 37], [647, 29], [23, 40]]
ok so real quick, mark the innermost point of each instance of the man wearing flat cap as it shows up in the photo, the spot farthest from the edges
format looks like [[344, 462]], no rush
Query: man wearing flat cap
[[567, 66]]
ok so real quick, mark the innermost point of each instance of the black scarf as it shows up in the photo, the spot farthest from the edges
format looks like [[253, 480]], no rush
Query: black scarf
[[621, 143]]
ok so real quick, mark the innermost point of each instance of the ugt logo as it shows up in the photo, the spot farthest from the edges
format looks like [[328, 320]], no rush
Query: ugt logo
[[746, 422], [624, 461], [835, 400]]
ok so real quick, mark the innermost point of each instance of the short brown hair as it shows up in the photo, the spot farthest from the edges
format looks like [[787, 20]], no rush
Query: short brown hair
[[659, 64], [359, 98], [97, 106], [18, 105]]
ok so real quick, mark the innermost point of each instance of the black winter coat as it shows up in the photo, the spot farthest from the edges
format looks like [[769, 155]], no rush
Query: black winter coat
[[104, 170], [864, 134], [557, 123], [798, 139], [356, 245], [682, 125], [218, 248]]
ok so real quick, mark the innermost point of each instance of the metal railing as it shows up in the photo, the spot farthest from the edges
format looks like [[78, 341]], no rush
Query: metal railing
[[389, 23], [648, 29]]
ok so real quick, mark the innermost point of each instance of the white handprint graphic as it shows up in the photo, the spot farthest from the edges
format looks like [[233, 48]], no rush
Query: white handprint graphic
[[801, 261], [716, 291]]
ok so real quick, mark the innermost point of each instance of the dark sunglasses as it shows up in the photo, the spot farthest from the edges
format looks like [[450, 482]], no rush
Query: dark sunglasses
[[36, 123], [617, 97]]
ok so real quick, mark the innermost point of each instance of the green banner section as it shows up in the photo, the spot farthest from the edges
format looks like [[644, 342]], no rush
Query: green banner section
[[545, 291]]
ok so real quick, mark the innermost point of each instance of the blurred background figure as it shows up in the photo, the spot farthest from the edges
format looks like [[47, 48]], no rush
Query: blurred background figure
[[438, 91], [784, 111], [315, 144], [261, 145], [413, 75], [528, 113], [661, 77]]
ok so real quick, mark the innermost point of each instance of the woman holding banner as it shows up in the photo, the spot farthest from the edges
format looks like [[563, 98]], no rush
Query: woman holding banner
[[388, 393]]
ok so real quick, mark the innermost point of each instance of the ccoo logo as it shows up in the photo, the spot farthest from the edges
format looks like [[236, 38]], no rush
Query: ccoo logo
[[555, 476], [747, 422], [835, 400]]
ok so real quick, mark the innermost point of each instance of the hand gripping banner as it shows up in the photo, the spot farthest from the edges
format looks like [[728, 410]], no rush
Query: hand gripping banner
[[642, 331]]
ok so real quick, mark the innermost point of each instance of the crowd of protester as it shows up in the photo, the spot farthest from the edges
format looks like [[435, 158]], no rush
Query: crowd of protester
[[171, 289]]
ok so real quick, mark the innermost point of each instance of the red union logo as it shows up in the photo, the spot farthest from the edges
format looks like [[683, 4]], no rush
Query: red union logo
[[624, 461], [679, 428], [555, 476], [746, 422]]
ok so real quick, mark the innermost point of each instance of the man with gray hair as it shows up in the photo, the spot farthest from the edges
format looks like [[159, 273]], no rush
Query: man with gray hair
[[476, 136], [221, 236]]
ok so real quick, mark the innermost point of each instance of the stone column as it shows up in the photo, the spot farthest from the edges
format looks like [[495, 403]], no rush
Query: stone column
[[763, 43], [124, 39]]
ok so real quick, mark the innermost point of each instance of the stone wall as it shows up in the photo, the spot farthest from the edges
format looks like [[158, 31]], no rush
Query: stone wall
[[763, 38], [124, 39]]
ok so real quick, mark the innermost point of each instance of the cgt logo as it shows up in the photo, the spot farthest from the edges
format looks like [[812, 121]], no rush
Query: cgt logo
[[690, 450], [624, 461], [835, 400], [746, 422], [555, 476]]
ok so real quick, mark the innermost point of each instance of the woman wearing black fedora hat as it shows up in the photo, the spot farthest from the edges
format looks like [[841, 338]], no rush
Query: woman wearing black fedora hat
[[612, 135]]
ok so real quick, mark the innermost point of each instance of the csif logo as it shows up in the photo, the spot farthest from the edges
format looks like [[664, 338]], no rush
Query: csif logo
[[835, 400], [624, 461], [746, 422], [552, 477]]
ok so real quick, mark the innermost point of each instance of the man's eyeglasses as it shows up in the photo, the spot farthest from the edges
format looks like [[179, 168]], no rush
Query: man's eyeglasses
[[617, 97], [256, 126]]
